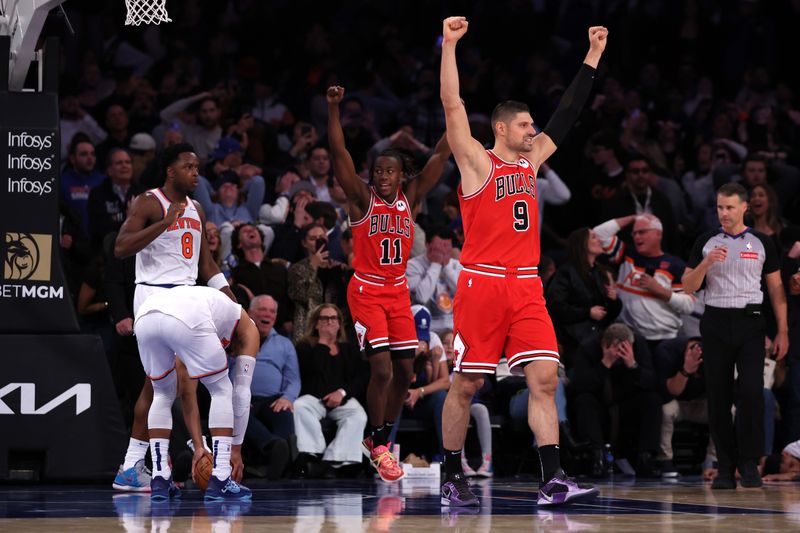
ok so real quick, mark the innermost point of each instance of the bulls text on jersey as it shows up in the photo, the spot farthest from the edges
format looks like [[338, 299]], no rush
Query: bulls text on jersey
[[511, 184], [383, 223]]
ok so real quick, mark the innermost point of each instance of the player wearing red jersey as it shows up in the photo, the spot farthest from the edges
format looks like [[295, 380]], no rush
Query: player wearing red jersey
[[378, 295], [499, 307]]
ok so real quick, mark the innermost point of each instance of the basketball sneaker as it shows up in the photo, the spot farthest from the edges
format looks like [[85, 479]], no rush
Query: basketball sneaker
[[226, 490], [485, 470], [457, 493], [468, 470], [366, 447], [163, 489], [134, 479], [386, 464], [561, 489]]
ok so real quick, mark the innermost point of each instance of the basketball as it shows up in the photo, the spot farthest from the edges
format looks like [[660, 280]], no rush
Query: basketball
[[202, 471]]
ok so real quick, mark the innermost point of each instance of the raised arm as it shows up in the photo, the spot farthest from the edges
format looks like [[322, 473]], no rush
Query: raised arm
[[471, 157], [571, 104], [431, 173], [344, 169]]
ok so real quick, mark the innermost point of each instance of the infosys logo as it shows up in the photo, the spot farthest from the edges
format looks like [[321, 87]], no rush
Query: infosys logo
[[26, 140], [26, 186], [26, 162]]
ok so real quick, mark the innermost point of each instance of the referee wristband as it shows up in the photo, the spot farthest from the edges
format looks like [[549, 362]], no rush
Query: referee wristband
[[217, 281]]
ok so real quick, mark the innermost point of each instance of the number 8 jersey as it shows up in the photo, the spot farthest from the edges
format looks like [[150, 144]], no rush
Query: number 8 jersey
[[501, 218], [172, 257], [382, 239]]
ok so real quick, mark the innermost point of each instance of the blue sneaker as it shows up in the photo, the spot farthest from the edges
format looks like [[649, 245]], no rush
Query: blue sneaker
[[134, 479], [163, 489], [457, 493], [561, 489], [226, 490]]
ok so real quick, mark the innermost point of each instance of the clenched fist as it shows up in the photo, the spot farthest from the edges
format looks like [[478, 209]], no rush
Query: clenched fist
[[598, 37], [335, 94], [454, 28]]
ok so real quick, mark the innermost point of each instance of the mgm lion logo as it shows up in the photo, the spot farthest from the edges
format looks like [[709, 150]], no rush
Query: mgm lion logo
[[27, 256]]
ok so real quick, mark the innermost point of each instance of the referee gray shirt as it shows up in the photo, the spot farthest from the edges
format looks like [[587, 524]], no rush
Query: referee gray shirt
[[735, 282]]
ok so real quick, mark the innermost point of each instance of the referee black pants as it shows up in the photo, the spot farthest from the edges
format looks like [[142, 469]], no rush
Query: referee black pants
[[732, 338]]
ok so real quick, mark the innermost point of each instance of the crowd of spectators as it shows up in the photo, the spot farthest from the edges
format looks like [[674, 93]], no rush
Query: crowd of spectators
[[689, 96]]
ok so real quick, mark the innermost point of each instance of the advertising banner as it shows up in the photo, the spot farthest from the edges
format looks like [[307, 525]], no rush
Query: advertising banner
[[34, 297], [57, 402]]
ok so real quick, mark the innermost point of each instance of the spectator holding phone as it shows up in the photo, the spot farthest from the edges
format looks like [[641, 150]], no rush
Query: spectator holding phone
[[314, 280]]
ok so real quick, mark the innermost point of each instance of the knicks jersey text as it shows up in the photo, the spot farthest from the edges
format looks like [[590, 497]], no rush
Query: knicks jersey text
[[382, 239], [501, 219], [172, 258]]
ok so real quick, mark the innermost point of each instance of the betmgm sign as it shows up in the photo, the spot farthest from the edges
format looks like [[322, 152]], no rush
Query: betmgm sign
[[28, 257]]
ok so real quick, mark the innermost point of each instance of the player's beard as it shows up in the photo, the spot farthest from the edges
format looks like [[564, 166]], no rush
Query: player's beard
[[522, 147]]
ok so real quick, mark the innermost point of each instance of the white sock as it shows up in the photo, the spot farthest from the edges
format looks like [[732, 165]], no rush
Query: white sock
[[222, 457], [137, 449], [159, 452]]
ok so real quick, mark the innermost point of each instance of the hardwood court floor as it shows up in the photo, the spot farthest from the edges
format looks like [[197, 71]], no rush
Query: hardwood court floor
[[352, 506]]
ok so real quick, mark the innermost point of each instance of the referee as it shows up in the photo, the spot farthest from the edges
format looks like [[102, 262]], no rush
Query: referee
[[731, 261]]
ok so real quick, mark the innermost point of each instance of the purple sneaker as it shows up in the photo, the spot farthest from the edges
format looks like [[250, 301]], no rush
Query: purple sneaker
[[456, 493], [163, 489], [561, 489]]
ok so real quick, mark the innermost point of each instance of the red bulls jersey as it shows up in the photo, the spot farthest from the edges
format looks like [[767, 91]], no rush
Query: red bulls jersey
[[382, 239], [501, 219]]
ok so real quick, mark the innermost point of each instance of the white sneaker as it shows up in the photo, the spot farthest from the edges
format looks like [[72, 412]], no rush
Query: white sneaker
[[468, 471], [485, 470]]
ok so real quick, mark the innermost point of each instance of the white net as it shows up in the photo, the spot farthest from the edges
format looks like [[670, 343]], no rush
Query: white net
[[146, 12]]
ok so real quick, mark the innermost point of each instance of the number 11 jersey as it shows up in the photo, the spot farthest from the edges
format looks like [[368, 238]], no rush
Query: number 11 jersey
[[382, 239], [501, 219]]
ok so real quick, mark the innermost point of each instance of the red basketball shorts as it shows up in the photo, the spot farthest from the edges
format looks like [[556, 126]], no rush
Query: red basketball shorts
[[497, 312], [381, 312]]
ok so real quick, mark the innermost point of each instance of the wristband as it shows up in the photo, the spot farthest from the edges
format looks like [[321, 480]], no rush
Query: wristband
[[217, 281], [421, 392], [684, 373]]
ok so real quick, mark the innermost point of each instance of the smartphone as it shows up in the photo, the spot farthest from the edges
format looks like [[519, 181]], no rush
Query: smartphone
[[321, 243]]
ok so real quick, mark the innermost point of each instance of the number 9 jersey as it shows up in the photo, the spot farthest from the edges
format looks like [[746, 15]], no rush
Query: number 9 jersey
[[172, 258], [501, 219]]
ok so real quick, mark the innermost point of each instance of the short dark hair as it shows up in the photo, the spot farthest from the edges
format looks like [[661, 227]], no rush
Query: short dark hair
[[172, 153], [324, 210], [235, 238], [733, 189], [441, 231], [78, 138], [637, 156], [508, 109], [754, 157]]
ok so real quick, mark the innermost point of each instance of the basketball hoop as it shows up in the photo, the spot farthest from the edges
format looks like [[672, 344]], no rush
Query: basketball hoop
[[146, 12]]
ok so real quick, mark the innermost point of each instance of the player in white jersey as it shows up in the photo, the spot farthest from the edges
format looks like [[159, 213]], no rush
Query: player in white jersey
[[198, 323], [165, 229]]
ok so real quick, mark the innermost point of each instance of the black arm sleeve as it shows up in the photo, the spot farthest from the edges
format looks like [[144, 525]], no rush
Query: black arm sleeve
[[569, 108]]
